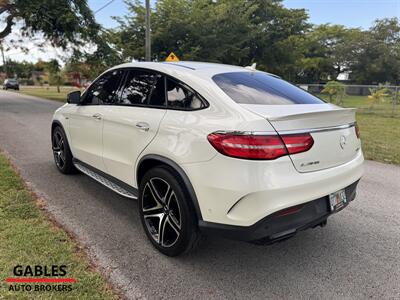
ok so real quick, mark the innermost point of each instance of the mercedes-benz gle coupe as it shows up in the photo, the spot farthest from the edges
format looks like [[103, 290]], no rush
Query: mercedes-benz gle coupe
[[211, 148]]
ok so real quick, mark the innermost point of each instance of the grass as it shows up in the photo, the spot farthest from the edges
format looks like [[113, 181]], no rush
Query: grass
[[49, 92], [28, 237], [380, 137], [380, 124]]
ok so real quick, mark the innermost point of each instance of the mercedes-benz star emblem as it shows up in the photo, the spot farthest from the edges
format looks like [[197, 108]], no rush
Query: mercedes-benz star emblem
[[343, 141]]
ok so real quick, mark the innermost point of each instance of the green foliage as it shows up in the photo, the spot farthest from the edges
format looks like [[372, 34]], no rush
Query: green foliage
[[279, 39], [61, 22], [328, 52], [227, 31], [239, 32], [334, 88], [92, 64], [378, 95], [376, 57]]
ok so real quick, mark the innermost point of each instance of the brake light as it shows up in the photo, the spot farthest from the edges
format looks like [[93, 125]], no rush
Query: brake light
[[357, 131], [297, 143], [259, 147]]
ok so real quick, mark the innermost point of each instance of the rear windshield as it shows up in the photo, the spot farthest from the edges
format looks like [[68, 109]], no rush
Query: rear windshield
[[261, 88]]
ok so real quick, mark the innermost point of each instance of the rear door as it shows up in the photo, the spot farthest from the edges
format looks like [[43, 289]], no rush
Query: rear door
[[293, 111], [132, 121]]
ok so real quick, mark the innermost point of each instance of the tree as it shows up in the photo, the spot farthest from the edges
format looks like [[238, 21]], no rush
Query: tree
[[90, 65], [334, 88], [55, 77], [377, 58], [226, 31], [329, 52], [18, 69], [61, 22]]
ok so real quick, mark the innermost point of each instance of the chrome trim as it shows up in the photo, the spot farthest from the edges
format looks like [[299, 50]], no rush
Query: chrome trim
[[294, 131], [320, 129], [237, 132]]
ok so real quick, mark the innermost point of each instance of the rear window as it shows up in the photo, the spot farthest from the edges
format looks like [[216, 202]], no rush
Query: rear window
[[261, 88]]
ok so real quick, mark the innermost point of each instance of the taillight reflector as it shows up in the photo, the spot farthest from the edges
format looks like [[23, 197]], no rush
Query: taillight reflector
[[289, 211], [260, 147]]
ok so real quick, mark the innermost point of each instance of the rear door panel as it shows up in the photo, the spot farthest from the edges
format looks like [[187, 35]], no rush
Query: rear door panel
[[123, 141]]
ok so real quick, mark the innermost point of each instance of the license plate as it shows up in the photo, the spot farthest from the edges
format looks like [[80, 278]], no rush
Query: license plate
[[337, 200]]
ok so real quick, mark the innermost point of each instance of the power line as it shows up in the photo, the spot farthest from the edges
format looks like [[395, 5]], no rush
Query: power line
[[104, 6]]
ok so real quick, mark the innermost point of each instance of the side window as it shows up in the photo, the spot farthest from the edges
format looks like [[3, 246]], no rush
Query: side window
[[104, 90], [181, 97], [143, 88]]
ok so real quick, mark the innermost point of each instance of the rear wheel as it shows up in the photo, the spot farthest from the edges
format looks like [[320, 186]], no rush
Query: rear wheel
[[166, 212], [61, 152]]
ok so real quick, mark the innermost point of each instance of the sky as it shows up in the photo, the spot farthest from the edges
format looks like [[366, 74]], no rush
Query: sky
[[350, 13]]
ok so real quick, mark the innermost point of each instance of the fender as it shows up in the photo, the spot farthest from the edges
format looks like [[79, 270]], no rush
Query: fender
[[181, 173]]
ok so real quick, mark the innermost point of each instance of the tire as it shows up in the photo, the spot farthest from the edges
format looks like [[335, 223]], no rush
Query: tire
[[164, 206], [61, 152]]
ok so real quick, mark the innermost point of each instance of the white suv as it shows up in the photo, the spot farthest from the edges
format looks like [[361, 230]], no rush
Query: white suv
[[211, 148]]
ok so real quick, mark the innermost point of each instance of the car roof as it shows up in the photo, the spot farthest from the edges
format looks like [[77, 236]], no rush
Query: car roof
[[184, 68]]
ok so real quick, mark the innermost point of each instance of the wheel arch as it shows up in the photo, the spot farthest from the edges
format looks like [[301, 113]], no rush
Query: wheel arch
[[152, 160], [56, 123]]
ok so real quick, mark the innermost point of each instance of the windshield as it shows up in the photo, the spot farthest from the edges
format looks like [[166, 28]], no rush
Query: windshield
[[261, 88]]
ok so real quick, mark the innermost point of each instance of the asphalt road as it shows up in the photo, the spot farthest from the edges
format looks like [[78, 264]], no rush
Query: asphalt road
[[356, 256]]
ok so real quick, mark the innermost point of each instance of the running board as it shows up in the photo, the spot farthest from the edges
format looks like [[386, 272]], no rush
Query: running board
[[104, 181]]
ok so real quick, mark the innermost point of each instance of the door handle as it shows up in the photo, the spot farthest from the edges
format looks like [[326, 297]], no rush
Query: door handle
[[97, 116], [143, 126]]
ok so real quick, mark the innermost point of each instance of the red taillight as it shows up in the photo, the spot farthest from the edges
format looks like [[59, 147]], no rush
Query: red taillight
[[256, 146], [357, 130], [297, 143]]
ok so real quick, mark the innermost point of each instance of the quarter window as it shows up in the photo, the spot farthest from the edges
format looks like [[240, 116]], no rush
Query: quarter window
[[105, 89], [181, 97]]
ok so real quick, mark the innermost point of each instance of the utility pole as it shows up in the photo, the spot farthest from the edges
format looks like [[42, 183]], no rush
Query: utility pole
[[4, 61], [148, 38]]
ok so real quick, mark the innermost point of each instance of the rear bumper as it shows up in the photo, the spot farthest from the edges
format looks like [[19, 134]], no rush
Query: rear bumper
[[275, 227], [243, 192]]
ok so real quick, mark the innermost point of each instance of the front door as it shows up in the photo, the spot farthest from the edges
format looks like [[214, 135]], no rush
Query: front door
[[86, 120]]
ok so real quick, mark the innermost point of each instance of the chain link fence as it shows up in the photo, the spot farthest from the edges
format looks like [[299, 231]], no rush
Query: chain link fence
[[378, 115], [382, 100]]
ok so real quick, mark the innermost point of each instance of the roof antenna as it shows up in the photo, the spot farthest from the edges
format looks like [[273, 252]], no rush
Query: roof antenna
[[252, 67]]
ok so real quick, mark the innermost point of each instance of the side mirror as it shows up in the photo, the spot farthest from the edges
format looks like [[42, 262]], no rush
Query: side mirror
[[74, 97]]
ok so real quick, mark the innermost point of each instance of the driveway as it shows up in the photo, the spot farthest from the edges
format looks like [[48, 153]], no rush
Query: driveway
[[356, 256]]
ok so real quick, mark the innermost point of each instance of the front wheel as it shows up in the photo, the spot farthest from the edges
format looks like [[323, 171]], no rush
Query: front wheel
[[61, 152], [166, 212]]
